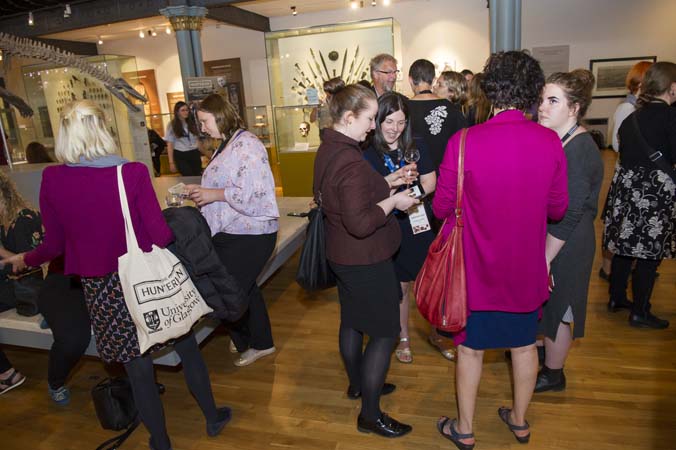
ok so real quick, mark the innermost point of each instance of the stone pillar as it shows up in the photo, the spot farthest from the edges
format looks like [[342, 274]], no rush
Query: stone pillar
[[505, 25], [187, 24]]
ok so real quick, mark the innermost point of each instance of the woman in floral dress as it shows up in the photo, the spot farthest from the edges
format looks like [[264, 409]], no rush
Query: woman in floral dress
[[640, 216]]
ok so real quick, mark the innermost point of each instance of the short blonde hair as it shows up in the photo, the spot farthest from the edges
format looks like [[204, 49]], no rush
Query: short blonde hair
[[83, 133]]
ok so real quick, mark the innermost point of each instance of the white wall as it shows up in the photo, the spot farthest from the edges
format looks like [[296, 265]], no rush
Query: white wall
[[602, 29], [444, 31], [161, 54], [453, 32]]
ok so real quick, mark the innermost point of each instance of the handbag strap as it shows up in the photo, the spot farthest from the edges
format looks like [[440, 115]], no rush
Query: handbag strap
[[132, 243], [655, 156], [115, 442], [321, 180], [461, 178]]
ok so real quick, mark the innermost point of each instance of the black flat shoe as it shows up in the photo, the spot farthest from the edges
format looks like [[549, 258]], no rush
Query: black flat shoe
[[549, 380], [603, 275], [354, 394], [224, 416], [384, 426], [614, 306], [647, 320]]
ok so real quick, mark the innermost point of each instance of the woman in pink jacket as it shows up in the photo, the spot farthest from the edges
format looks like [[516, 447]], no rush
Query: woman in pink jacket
[[515, 179]]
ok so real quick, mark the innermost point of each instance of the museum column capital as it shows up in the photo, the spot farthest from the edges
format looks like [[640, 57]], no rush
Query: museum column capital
[[185, 18]]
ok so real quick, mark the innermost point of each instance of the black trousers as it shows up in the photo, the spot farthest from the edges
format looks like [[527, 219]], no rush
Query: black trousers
[[188, 163], [141, 375], [245, 256], [642, 281], [5, 365], [61, 302]]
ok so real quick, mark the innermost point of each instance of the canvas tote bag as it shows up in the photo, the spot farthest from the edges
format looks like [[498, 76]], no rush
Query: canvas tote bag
[[162, 299]]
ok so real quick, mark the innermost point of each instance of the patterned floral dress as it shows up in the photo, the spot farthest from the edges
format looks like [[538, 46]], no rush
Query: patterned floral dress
[[640, 215]]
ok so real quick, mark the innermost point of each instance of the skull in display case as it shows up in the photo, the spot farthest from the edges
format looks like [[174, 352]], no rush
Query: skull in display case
[[304, 128]]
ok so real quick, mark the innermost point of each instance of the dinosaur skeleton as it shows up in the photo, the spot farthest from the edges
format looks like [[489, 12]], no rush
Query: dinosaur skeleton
[[24, 47], [17, 102]]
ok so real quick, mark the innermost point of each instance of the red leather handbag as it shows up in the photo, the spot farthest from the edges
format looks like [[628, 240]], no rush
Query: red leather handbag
[[440, 288]]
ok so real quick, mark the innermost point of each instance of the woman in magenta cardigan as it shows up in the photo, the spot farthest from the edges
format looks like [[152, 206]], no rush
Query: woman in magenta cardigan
[[515, 179], [82, 217]]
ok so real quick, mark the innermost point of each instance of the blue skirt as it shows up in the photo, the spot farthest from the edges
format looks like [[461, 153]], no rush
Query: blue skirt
[[495, 329]]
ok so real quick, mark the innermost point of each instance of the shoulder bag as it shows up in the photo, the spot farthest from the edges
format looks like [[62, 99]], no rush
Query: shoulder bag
[[161, 298], [314, 272], [440, 287], [655, 156]]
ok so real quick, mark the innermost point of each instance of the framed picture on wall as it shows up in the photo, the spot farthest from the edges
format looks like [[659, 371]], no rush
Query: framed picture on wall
[[611, 75]]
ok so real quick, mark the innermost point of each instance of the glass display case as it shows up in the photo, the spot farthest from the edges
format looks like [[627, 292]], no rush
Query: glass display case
[[299, 62], [50, 87], [259, 122], [296, 131]]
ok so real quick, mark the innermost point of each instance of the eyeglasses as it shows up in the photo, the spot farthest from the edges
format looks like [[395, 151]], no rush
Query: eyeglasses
[[388, 72]]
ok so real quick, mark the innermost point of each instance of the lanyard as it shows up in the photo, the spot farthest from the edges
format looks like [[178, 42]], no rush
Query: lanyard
[[390, 164], [569, 134], [224, 144]]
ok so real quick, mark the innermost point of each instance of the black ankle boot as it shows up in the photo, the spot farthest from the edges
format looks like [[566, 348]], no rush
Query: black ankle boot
[[550, 380], [647, 320]]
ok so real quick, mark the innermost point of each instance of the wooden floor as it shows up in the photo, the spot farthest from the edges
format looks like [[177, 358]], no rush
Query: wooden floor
[[621, 387]]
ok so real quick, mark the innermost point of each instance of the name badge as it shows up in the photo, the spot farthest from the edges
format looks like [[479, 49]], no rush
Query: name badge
[[418, 218]]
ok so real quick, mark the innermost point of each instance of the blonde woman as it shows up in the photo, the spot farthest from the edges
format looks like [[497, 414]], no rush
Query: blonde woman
[[452, 86], [83, 219]]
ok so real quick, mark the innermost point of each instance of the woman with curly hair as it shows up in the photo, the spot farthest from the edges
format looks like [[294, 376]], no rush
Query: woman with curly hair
[[514, 181]]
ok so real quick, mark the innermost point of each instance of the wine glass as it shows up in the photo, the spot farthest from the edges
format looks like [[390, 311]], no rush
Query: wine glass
[[411, 155]]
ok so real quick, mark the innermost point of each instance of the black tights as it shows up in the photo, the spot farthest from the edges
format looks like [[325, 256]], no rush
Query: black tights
[[366, 369], [142, 378], [642, 281]]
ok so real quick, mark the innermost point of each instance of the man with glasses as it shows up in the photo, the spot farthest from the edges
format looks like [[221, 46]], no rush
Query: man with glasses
[[383, 73]]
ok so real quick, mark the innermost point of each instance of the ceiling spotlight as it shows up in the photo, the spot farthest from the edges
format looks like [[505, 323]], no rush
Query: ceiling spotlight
[[386, 2], [100, 41], [373, 2], [141, 34], [30, 19], [66, 11], [167, 30], [152, 33], [354, 4], [293, 11]]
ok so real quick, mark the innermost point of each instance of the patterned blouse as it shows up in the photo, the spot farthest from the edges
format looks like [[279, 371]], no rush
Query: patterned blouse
[[242, 170]]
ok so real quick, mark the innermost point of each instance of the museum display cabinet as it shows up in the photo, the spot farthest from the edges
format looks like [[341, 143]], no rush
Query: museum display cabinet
[[49, 88], [299, 62]]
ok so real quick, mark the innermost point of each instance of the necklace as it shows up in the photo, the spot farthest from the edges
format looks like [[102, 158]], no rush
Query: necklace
[[565, 137], [426, 91]]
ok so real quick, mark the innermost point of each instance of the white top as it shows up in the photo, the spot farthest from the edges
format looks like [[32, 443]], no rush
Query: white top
[[183, 144], [623, 111]]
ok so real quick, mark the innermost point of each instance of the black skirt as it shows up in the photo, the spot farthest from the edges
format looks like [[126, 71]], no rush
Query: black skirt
[[369, 298]]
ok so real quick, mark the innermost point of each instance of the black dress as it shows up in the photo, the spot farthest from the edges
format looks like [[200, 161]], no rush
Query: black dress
[[435, 121], [640, 215], [411, 254], [573, 265]]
